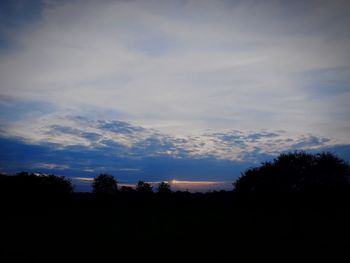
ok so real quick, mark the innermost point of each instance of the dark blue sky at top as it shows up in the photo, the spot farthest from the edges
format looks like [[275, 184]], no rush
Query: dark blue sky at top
[[14, 15]]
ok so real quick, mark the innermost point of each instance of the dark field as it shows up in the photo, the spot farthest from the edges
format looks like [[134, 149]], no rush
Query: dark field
[[220, 226]]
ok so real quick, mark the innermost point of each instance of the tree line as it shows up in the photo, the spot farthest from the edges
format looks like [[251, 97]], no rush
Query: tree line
[[107, 184], [296, 172]]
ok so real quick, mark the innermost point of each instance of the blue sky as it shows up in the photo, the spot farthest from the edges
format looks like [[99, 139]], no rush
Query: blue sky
[[163, 89]]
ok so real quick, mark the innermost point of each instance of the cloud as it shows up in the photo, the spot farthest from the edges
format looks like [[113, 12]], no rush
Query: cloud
[[186, 66], [119, 127], [310, 142], [50, 166], [122, 139]]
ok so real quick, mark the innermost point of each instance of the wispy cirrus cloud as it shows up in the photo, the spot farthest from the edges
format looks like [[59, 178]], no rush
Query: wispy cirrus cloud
[[183, 66], [50, 166]]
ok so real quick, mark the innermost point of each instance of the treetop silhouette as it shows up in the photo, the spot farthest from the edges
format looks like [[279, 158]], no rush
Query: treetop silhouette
[[105, 183], [143, 187], [296, 172], [164, 188]]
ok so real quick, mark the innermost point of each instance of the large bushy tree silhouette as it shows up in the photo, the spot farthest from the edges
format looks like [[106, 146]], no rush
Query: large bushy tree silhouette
[[296, 172], [143, 187], [164, 188], [104, 183]]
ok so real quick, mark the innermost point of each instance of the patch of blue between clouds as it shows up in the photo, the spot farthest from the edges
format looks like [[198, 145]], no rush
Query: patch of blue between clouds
[[326, 82], [14, 110]]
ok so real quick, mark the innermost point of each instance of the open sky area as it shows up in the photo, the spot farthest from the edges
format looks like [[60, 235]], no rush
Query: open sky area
[[191, 90]]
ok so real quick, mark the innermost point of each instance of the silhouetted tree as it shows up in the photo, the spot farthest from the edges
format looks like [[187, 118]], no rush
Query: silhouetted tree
[[104, 183], [164, 188], [296, 172], [30, 183], [143, 187], [58, 184]]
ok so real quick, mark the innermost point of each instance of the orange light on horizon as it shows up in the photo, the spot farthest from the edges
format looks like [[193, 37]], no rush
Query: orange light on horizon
[[83, 178], [174, 181]]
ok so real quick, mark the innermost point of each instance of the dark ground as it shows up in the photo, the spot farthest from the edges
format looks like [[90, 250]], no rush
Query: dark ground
[[220, 226]]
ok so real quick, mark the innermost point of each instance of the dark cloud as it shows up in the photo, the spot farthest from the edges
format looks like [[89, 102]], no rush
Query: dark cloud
[[14, 15], [57, 129], [119, 127], [91, 136], [309, 141], [259, 135]]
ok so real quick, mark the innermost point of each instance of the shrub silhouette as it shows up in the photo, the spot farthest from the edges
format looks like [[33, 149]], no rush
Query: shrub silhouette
[[164, 188], [143, 187], [104, 183], [127, 189], [296, 172]]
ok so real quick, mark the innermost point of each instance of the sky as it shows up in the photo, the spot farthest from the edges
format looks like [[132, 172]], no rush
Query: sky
[[157, 90]]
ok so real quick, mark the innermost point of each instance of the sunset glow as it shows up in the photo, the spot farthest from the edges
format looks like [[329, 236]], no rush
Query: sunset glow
[[195, 182], [192, 186]]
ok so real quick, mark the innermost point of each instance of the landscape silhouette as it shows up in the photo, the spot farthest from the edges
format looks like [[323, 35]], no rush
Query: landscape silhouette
[[298, 203]]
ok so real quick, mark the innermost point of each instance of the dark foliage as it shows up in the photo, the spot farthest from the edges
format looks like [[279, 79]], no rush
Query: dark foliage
[[127, 189], [28, 183], [143, 187], [296, 172], [104, 184], [164, 188]]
